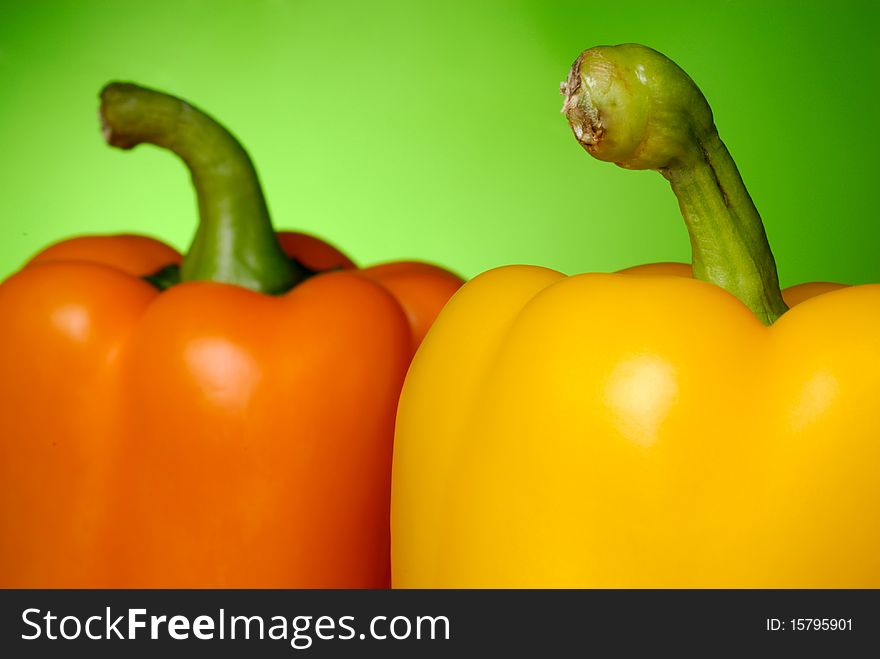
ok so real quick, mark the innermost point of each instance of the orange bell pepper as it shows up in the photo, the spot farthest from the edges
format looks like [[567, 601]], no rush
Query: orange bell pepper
[[224, 419], [641, 429]]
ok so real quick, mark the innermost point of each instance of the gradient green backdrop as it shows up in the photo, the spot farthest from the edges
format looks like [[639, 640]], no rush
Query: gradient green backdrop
[[432, 129]]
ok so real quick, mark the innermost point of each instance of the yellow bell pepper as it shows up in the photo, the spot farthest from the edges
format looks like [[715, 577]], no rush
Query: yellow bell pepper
[[642, 429]]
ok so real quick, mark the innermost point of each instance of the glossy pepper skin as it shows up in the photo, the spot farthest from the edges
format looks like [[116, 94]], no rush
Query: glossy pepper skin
[[645, 429], [231, 430]]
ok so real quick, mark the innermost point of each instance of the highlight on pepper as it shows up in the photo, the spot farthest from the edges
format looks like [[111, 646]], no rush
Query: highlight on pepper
[[667, 426]]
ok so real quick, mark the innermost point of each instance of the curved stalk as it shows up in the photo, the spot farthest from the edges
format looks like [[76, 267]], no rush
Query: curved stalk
[[235, 242], [633, 106]]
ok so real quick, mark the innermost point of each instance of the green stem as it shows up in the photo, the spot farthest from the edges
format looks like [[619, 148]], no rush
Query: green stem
[[633, 106], [235, 242]]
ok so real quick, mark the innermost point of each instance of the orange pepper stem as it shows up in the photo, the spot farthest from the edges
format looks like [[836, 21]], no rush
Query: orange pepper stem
[[633, 106], [235, 242]]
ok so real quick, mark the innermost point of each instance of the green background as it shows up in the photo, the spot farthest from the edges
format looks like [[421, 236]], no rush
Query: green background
[[432, 130]]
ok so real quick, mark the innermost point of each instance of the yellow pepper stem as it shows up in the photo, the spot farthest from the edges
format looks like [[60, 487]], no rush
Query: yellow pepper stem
[[633, 106]]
